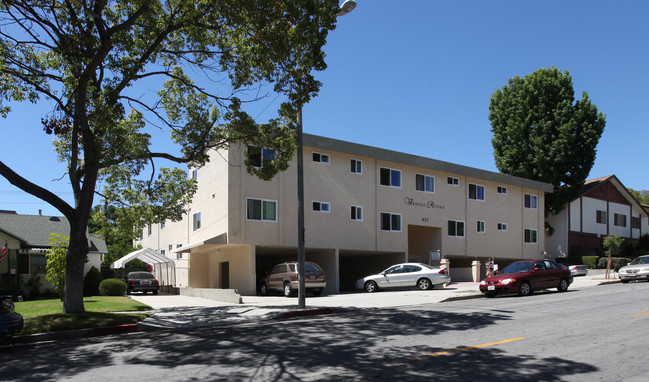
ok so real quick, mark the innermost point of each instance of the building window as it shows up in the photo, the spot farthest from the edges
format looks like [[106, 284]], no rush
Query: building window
[[171, 247], [258, 156], [37, 264], [194, 174], [356, 213], [149, 230], [424, 183], [531, 201], [620, 220], [601, 217], [356, 166], [531, 236], [321, 206], [389, 177], [476, 192], [163, 252], [163, 224], [456, 228], [502, 226], [260, 209], [480, 226], [453, 181], [502, 190], [635, 222], [179, 255], [390, 222], [179, 245], [321, 158], [196, 221]]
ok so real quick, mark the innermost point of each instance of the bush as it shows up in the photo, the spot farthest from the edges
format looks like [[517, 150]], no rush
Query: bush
[[112, 287], [91, 282], [616, 262], [590, 261]]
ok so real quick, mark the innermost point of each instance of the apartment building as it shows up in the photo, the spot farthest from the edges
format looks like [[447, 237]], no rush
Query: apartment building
[[365, 209], [604, 207]]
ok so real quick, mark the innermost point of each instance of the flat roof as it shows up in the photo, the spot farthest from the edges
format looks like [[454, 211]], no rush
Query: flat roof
[[331, 144]]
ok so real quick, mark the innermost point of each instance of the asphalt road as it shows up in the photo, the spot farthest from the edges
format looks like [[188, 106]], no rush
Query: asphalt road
[[591, 334]]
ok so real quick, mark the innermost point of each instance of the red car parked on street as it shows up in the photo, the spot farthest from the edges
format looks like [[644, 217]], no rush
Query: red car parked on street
[[524, 277]]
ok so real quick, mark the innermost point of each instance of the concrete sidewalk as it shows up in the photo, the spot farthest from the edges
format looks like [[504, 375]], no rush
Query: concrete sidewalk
[[175, 312]]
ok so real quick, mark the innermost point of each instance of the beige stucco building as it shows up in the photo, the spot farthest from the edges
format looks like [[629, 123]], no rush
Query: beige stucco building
[[365, 209]]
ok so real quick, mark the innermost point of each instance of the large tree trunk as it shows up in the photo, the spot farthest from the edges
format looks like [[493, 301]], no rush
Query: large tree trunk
[[76, 259]]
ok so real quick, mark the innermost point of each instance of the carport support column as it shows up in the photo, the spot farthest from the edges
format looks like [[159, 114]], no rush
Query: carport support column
[[445, 263], [475, 270]]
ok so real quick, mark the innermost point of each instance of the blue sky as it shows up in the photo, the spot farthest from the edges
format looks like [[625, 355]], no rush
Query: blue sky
[[416, 76]]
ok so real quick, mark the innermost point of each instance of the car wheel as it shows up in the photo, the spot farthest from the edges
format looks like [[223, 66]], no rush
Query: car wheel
[[563, 285], [524, 289], [143, 292], [263, 289], [288, 291], [155, 292], [371, 287], [316, 292], [424, 284], [624, 281]]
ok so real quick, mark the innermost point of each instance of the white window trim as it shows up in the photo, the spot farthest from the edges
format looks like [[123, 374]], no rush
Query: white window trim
[[484, 192], [505, 227], [484, 226], [391, 214], [532, 196], [357, 161], [531, 230], [321, 156], [455, 183], [456, 221], [391, 169], [321, 204], [501, 190], [355, 218], [199, 221], [425, 176], [262, 212]]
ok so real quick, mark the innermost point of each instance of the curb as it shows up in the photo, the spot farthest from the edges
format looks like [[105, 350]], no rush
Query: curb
[[305, 313], [68, 334]]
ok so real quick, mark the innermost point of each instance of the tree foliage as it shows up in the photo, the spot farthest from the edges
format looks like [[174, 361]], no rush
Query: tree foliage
[[95, 62], [541, 133], [641, 196], [55, 264]]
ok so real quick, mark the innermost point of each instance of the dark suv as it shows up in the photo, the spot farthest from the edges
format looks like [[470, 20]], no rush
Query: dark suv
[[284, 278], [142, 282]]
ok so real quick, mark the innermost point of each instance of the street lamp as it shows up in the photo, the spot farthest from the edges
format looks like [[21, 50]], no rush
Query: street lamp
[[346, 7]]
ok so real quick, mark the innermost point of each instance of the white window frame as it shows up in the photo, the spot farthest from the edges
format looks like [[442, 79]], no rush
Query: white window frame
[[197, 221], [503, 227], [531, 201], [502, 190], [264, 153], [392, 173], [477, 193], [426, 178], [194, 174], [322, 158], [318, 206], [149, 230], [456, 223], [391, 214], [355, 211], [356, 166], [481, 226], [453, 181], [531, 236], [262, 203]]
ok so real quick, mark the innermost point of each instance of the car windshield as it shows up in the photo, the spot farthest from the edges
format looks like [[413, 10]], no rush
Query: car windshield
[[524, 266], [640, 260], [142, 276]]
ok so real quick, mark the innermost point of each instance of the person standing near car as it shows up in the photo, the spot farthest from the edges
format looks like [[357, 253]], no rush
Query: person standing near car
[[490, 267]]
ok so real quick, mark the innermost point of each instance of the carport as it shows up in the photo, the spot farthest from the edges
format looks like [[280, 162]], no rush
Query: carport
[[163, 267]]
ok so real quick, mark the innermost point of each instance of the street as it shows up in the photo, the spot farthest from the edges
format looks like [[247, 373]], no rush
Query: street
[[589, 334]]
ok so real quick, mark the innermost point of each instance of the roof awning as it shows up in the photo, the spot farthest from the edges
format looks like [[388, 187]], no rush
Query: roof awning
[[215, 241], [147, 255]]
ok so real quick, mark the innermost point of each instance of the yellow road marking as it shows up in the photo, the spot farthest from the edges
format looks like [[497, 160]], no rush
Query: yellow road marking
[[446, 352], [640, 314]]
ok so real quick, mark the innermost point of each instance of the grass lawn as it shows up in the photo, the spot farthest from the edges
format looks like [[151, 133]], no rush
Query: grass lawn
[[45, 315]]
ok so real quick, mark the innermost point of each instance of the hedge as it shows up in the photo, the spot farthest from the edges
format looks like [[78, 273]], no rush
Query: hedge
[[112, 287], [616, 262], [590, 261]]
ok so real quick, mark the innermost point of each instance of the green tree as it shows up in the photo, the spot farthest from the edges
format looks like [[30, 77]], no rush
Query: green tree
[[642, 197], [541, 133], [613, 245], [56, 262], [95, 61], [114, 225]]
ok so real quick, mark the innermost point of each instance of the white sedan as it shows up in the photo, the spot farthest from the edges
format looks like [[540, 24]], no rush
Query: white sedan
[[405, 275]]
